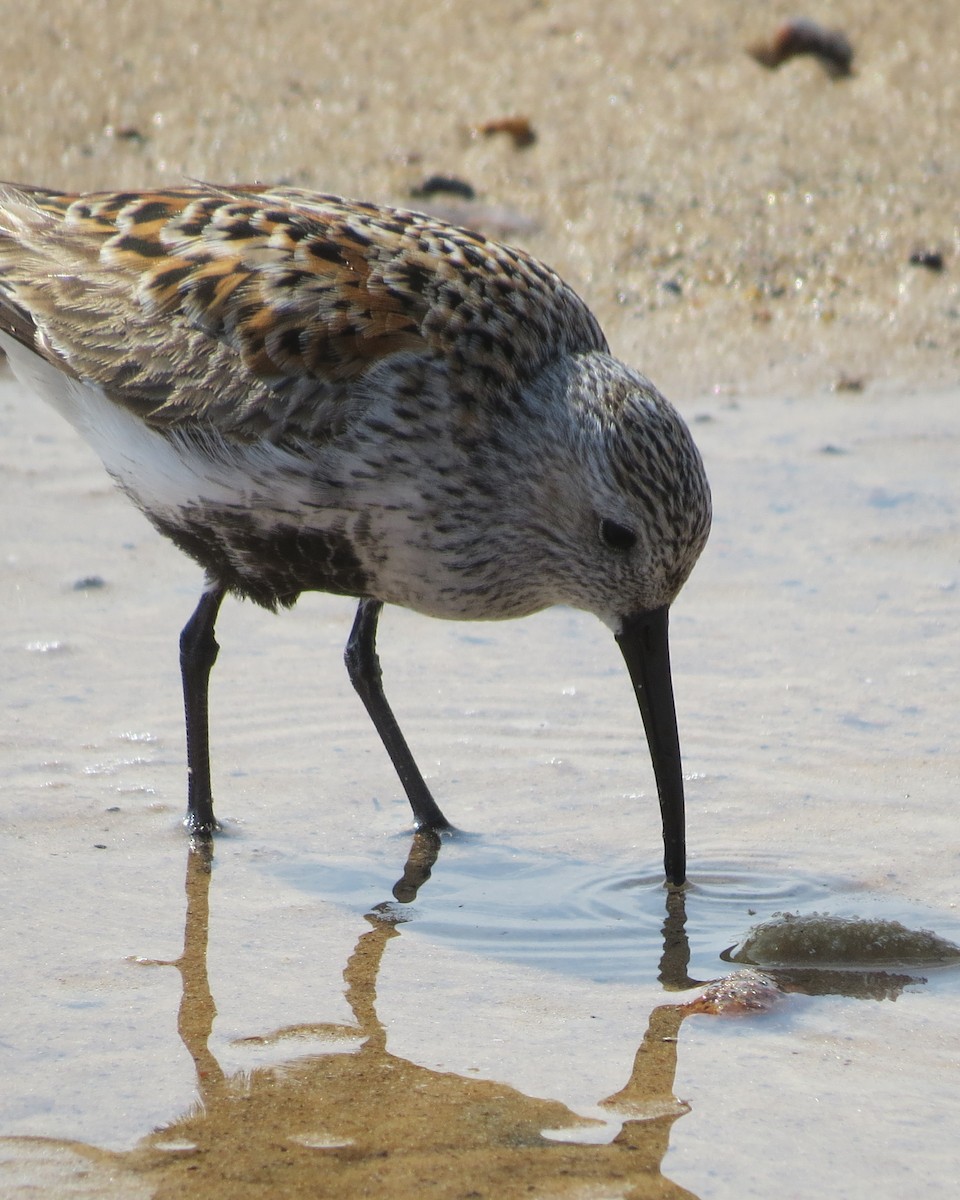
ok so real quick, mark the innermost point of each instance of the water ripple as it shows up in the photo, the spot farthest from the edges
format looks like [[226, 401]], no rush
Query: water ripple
[[582, 918]]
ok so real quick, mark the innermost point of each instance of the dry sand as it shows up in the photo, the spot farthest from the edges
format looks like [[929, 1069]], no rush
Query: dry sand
[[732, 226], [739, 232]]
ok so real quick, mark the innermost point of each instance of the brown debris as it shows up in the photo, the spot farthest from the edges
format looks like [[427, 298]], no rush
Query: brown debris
[[800, 36], [126, 133], [849, 383], [518, 128], [746, 991]]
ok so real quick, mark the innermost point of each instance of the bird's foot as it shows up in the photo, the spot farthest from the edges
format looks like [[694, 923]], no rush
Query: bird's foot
[[201, 828]]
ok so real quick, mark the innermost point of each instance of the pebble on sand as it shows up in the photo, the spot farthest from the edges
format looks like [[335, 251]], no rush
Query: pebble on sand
[[799, 36]]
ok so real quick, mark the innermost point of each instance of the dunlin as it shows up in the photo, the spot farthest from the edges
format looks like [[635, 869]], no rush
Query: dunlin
[[310, 393]]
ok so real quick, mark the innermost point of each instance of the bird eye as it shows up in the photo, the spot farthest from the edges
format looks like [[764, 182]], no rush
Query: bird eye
[[616, 536]]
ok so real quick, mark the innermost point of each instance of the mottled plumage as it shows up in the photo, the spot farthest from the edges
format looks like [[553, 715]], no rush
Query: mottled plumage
[[305, 393]]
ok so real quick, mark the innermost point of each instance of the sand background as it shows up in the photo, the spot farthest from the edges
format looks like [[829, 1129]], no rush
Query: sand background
[[730, 225], [744, 236]]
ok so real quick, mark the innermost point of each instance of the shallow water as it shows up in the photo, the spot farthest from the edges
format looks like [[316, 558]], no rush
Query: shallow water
[[343, 1040], [583, 919]]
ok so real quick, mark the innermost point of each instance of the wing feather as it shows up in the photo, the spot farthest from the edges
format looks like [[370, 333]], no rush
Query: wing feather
[[258, 310]]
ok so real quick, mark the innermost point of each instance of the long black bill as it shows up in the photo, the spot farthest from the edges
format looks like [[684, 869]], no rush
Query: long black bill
[[645, 645]]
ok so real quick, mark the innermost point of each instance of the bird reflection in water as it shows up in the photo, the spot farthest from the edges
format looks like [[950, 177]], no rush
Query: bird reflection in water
[[358, 1120], [369, 1122]]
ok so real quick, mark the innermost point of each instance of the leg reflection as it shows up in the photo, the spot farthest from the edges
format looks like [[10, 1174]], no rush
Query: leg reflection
[[424, 850], [357, 1118]]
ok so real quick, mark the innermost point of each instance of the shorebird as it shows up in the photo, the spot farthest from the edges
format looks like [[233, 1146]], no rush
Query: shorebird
[[310, 393]]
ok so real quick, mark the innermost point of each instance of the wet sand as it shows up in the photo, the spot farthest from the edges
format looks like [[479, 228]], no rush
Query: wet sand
[[744, 236]]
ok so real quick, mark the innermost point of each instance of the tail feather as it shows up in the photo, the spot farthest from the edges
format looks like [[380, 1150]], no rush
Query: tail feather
[[18, 218], [16, 321]]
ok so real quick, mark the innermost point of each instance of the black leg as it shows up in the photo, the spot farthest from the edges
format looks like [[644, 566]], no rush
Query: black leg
[[363, 667], [198, 653]]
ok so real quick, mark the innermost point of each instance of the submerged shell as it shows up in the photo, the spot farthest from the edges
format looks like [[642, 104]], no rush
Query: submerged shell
[[817, 939]]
